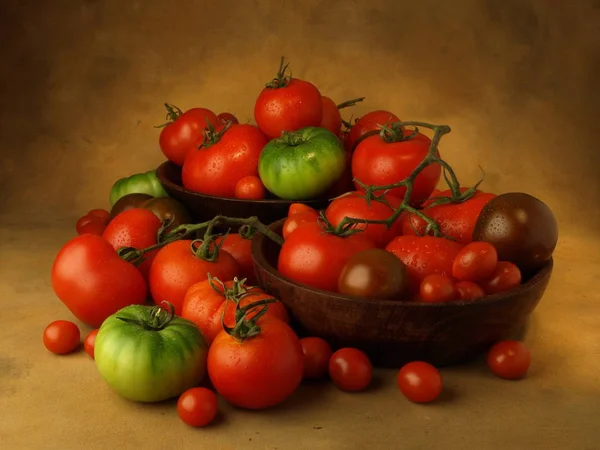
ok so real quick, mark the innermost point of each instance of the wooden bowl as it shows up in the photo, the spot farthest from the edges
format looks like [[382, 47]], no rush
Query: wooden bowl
[[393, 333], [205, 207]]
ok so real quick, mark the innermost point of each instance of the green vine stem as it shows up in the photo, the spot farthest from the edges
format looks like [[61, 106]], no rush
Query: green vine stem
[[158, 318], [283, 77], [349, 103], [246, 328], [173, 113]]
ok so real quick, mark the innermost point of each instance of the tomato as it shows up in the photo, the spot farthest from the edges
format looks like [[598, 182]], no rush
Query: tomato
[[249, 188], [205, 301], [317, 353], [110, 282], [180, 264], [302, 165], [424, 256], [216, 168], [129, 201], [227, 117], [316, 258], [300, 207], [509, 359], [506, 276], [369, 122], [262, 370], [61, 337], [197, 407], [241, 249], [100, 214], [90, 342], [93, 226], [437, 288], [139, 183], [475, 262], [456, 220], [332, 119], [468, 291], [350, 369], [295, 220], [355, 205], [147, 354], [378, 162], [287, 104], [373, 273], [93, 222], [420, 382], [168, 209], [184, 131], [137, 228]]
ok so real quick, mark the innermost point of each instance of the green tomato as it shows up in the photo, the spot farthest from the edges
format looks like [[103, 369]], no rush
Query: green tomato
[[147, 354], [302, 165], [140, 183]]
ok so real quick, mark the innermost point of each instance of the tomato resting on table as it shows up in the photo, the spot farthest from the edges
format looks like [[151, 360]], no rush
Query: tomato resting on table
[[197, 407], [350, 369], [420, 382], [62, 337], [509, 359], [90, 342], [317, 353]]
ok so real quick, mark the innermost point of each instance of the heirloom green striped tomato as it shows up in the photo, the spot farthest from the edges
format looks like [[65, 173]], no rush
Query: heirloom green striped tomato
[[147, 354]]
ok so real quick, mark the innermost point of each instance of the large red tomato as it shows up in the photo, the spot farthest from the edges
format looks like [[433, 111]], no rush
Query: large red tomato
[[184, 131], [369, 122], [216, 169], [93, 282], [378, 162], [355, 205], [316, 258]]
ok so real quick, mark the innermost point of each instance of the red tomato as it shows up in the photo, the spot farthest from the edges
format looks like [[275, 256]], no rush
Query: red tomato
[[509, 360], [241, 249], [176, 267], [93, 226], [317, 353], [205, 301], [332, 119], [506, 276], [137, 228], [456, 220], [437, 288], [316, 258], [258, 372], [300, 207], [184, 133], [476, 261], [287, 104], [90, 342], [110, 282], [62, 337], [420, 382], [215, 170], [424, 256], [468, 291], [295, 220], [84, 220], [227, 117], [369, 122], [101, 214], [249, 188], [197, 407], [355, 205], [377, 162], [350, 369]]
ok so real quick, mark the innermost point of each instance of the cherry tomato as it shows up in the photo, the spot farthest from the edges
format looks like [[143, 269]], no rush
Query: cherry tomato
[[509, 360], [101, 214], [475, 261], [420, 382], [437, 288], [295, 220], [317, 353], [227, 117], [249, 188], [350, 369], [506, 276], [197, 407], [89, 342], [62, 337], [94, 226], [300, 207], [468, 291]]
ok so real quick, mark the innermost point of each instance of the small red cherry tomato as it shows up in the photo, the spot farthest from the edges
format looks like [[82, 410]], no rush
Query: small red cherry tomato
[[295, 220], [250, 188], [101, 214], [509, 360], [227, 117], [475, 262], [350, 369], [296, 208], [89, 342], [62, 337], [468, 291], [506, 276], [197, 406], [317, 353], [93, 227], [437, 288], [420, 382]]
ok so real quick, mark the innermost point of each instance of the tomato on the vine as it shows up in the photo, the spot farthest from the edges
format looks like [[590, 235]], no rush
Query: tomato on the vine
[[437, 288], [509, 359], [240, 247], [89, 342], [369, 122], [249, 188], [420, 382], [295, 220], [317, 353], [476, 261], [62, 337], [197, 407], [506, 276], [350, 369]]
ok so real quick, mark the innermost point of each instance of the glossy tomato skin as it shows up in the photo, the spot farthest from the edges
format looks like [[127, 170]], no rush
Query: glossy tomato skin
[[259, 372], [476, 261], [290, 108], [355, 205], [420, 382], [137, 228], [146, 365], [175, 268], [300, 207], [317, 353], [332, 118], [250, 188], [424, 255], [456, 220], [350, 369], [90, 342], [377, 162], [215, 170], [369, 122], [227, 117], [468, 291], [437, 288], [179, 137], [315, 258], [506, 276], [295, 220], [61, 337], [241, 249], [509, 359], [110, 282], [197, 407]]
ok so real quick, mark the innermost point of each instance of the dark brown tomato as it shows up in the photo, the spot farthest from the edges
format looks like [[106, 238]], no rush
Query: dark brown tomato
[[168, 208], [374, 273], [521, 227], [128, 201]]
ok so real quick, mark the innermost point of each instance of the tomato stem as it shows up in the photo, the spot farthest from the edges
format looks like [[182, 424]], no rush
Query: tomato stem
[[282, 79], [246, 328], [158, 318], [211, 135], [349, 103], [173, 113]]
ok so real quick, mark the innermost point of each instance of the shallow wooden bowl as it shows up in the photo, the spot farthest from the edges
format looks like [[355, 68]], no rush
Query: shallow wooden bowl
[[395, 332], [204, 207]]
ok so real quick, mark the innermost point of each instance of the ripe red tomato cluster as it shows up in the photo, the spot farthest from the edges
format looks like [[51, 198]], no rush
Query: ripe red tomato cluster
[[94, 222]]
